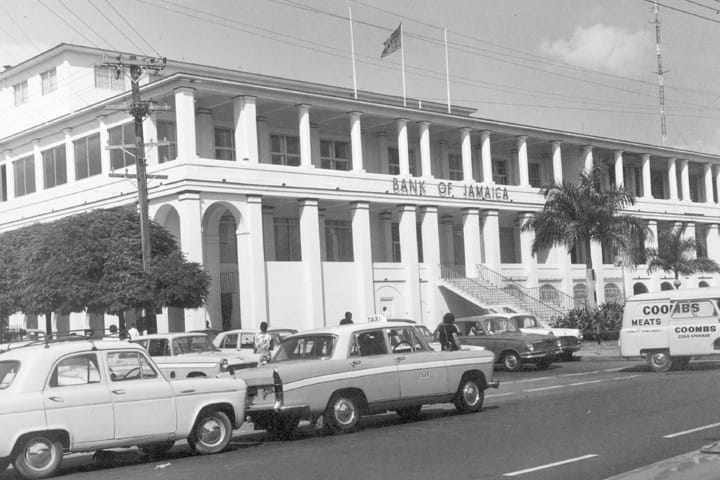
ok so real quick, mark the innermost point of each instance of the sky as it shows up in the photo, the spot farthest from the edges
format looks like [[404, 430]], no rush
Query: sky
[[586, 66]]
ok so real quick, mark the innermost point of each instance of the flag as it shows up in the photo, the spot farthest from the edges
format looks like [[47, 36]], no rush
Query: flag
[[393, 43]]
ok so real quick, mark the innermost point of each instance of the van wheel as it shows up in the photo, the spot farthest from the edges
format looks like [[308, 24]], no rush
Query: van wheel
[[659, 361]]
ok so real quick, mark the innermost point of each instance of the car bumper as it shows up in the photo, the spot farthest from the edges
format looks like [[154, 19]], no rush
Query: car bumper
[[536, 356]]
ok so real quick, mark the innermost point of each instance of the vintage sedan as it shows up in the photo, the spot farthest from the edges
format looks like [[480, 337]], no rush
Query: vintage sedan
[[570, 338], [512, 348], [242, 342], [85, 395], [184, 355], [341, 373]]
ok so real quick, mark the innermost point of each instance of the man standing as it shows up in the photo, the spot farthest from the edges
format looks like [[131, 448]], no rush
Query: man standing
[[263, 344], [347, 319], [133, 332], [448, 332]]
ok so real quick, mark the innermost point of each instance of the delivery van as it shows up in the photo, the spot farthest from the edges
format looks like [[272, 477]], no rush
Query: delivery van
[[672, 326]]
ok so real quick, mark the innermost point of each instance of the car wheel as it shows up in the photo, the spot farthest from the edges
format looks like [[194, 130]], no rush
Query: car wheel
[[470, 396], [680, 363], [39, 457], [282, 427], [512, 362], [156, 449], [407, 414], [342, 413], [211, 434], [659, 361]]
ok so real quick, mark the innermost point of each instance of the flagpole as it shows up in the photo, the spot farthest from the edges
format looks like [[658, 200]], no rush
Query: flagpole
[[447, 71], [352, 49], [402, 59]]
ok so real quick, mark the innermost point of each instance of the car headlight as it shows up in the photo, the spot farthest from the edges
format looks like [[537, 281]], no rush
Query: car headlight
[[223, 365], [530, 347]]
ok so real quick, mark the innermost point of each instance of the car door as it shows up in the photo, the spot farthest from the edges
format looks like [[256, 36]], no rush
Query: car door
[[143, 400], [77, 398], [372, 367], [693, 327], [422, 372]]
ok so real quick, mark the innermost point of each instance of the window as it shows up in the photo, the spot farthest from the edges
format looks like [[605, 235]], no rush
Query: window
[[309, 347], [129, 366], [3, 184], [224, 144], [394, 161], [76, 370], [688, 309], [507, 245], [8, 371], [21, 93], [458, 238], [500, 175], [123, 135], [166, 133], [54, 166], [87, 157], [334, 155], [107, 78], [369, 343], [287, 239], [534, 175], [49, 81], [455, 171], [338, 241], [404, 340], [228, 239], [24, 170], [395, 242], [285, 150]]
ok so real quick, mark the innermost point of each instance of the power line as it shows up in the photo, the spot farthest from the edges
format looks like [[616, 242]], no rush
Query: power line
[[683, 11], [703, 5], [129, 24], [122, 32], [86, 24], [19, 28], [69, 24]]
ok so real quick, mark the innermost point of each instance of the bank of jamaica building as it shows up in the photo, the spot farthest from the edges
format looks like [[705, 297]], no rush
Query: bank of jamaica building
[[303, 202]]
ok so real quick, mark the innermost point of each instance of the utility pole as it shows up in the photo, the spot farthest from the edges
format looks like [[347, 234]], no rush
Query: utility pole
[[139, 110], [660, 73]]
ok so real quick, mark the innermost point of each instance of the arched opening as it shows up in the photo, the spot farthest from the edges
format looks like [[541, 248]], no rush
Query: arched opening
[[229, 291], [703, 284], [639, 287], [666, 286]]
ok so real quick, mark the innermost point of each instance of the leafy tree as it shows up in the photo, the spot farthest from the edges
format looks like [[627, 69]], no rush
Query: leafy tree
[[676, 254], [582, 212]]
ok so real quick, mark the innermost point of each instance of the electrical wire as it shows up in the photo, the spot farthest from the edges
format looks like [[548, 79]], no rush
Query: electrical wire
[[122, 32], [129, 24], [69, 25], [86, 24]]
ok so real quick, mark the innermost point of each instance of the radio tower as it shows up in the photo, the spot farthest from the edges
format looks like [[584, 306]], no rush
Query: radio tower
[[660, 72]]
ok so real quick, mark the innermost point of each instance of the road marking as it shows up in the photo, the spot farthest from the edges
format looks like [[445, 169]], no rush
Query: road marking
[[498, 395], [549, 465], [544, 388], [579, 374], [613, 369], [529, 380], [624, 378], [586, 383], [686, 432]]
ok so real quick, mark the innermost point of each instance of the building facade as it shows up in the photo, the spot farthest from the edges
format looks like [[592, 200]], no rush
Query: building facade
[[303, 202]]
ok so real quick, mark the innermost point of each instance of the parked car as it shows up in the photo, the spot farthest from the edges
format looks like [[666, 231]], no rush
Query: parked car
[[570, 338], [512, 348], [84, 395], [344, 372], [242, 341], [182, 355], [210, 332]]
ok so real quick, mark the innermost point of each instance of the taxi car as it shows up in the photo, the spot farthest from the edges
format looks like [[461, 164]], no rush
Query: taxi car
[[512, 348], [338, 374], [570, 338], [84, 395], [184, 355]]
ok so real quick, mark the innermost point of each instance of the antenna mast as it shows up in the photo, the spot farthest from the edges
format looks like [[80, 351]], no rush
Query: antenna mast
[[660, 72]]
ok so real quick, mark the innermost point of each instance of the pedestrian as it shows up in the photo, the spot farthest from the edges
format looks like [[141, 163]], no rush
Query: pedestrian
[[263, 344], [383, 314], [448, 332], [347, 319], [133, 332]]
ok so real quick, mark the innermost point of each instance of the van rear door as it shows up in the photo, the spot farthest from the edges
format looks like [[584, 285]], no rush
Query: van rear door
[[694, 326]]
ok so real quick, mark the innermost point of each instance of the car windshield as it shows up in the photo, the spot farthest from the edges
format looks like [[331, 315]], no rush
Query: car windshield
[[497, 325], [525, 321], [8, 371], [306, 347], [192, 344], [425, 332]]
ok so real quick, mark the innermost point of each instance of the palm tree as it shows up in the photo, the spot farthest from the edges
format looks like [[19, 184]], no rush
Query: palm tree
[[577, 214], [676, 254]]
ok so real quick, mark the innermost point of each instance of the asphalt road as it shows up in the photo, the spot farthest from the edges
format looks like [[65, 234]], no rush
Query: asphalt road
[[580, 420]]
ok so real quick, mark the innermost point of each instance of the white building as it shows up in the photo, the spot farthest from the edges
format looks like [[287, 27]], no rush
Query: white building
[[303, 202]]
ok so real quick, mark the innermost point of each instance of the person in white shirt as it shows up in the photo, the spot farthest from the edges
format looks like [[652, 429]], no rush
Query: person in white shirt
[[133, 332]]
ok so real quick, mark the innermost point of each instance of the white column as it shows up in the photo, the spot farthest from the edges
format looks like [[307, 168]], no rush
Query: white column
[[356, 142], [39, 170], [402, 145], [564, 261], [596, 257], [717, 182], [447, 253], [486, 154], [425, 157], [251, 257], [305, 137], [556, 146], [707, 175], [685, 179], [409, 256], [588, 156], [362, 253], [523, 161], [238, 129], [314, 315], [268, 214], [672, 179], [646, 177], [619, 174], [491, 239], [471, 241], [528, 259], [263, 140], [10, 176], [149, 127], [712, 240], [104, 143], [250, 127], [431, 259], [205, 133], [185, 123], [191, 243], [69, 155], [466, 153]]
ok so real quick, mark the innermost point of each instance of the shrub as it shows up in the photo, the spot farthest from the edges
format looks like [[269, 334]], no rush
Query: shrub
[[604, 322]]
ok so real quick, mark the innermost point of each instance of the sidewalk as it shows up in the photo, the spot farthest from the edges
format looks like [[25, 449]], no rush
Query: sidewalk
[[606, 350]]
